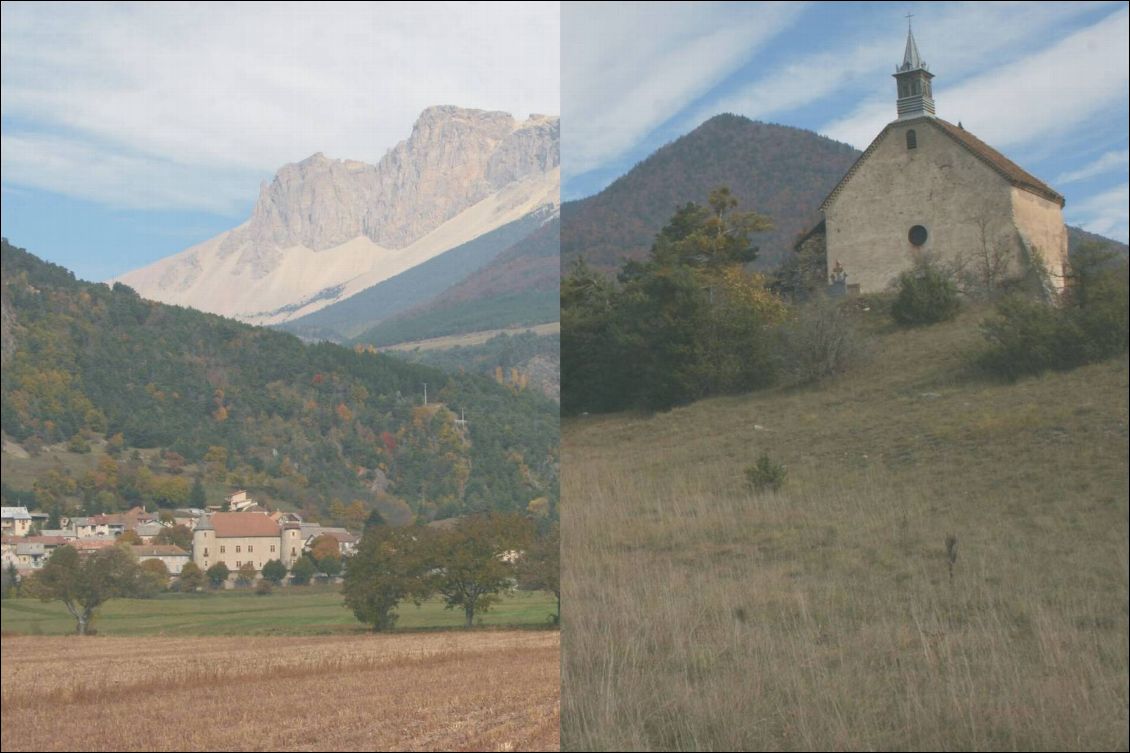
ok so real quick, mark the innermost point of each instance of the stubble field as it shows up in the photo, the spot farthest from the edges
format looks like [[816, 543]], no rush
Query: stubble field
[[484, 690]]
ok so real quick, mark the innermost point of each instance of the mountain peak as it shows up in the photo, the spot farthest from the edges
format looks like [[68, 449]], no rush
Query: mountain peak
[[454, 159]]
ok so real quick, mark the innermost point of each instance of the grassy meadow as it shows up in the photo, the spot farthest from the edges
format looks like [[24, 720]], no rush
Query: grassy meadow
[[699, 615], [494, 690], [295, 610]]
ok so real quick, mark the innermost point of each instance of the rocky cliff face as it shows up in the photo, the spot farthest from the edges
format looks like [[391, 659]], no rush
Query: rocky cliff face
[[324, 228], [453, 159]]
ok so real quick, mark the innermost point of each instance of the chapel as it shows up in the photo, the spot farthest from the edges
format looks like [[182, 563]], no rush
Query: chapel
[[928, 187]]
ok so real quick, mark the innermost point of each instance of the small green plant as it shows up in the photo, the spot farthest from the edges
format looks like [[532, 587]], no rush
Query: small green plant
[[765, 475], [263, 588], [927, 294]]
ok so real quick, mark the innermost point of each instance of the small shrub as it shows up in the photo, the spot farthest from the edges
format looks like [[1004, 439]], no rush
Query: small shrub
[[1029, 337], [926, 294], [765, 474], [263, 588], [820, 342]]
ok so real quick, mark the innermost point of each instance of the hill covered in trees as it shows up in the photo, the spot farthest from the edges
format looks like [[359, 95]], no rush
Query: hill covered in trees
[[304, 425], [779, 171]]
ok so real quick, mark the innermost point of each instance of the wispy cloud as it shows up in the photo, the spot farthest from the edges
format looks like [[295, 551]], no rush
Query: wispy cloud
[[180, 92], [1106, 213], [634, 66], [1033, 97], [1109, 162], [965, 39]]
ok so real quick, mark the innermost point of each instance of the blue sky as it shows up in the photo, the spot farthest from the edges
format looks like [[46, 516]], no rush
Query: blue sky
[[131, 131], [1045, 83]]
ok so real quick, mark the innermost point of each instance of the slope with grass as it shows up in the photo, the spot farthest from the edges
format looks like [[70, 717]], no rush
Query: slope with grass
[[701, 615]]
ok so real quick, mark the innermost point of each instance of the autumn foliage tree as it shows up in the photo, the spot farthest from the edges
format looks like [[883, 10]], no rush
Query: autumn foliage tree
[[191, 578]]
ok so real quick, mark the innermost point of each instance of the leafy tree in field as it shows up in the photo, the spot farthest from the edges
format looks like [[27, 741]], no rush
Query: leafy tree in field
[[245, 576], [275, 572], [303, 570], [386, 570], [85, 582], [539, 567], [472, 561], [217, 574], [156, 575], [191, 579], [326, 553]]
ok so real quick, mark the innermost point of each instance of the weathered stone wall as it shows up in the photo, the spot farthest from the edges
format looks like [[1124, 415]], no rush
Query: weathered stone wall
[[1040, 221], [961, 201]]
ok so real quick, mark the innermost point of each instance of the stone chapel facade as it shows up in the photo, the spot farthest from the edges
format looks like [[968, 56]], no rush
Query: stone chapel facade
[[926, 186]]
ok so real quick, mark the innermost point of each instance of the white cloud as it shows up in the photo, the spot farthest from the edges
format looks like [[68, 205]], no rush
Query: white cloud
[[1107, 213], [631, 67], [207, 88], [120, 180], [1109, 162], [1033, 97]]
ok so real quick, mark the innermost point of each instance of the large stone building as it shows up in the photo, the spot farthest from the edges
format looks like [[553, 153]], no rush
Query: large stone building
[[928, 187], [237, 538]]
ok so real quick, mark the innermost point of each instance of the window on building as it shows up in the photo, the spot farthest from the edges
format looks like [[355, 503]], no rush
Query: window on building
[[237, 549], [205, 551], [917, 235], [250, 548], [272, 548], [222, 549], [911, 139]]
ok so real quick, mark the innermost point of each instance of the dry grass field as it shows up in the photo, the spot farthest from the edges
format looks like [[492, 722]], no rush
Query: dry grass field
[[701, 616], [483, 690]]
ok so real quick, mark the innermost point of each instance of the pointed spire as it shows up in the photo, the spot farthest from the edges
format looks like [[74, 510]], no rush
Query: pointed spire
[[911, 60], [915, 97]]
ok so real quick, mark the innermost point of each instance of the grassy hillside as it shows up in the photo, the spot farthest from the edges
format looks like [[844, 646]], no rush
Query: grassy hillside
[[699, 615]]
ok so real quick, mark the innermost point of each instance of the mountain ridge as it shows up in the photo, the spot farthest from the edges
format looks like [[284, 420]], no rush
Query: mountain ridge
[[324, 229]]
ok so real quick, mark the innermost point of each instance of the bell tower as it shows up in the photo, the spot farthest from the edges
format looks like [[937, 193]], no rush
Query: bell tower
[[915, 95]]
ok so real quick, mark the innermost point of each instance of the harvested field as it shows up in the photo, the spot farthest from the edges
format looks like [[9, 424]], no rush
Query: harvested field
[[453, 691]]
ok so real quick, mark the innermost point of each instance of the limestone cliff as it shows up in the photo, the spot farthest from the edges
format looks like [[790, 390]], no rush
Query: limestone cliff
[[324, 228]]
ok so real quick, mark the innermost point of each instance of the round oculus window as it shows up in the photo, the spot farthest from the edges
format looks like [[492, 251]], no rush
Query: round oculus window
[[917, 235]]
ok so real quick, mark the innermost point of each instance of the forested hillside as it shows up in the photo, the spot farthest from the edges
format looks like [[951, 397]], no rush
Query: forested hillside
[[778, 171], [244, 406]]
